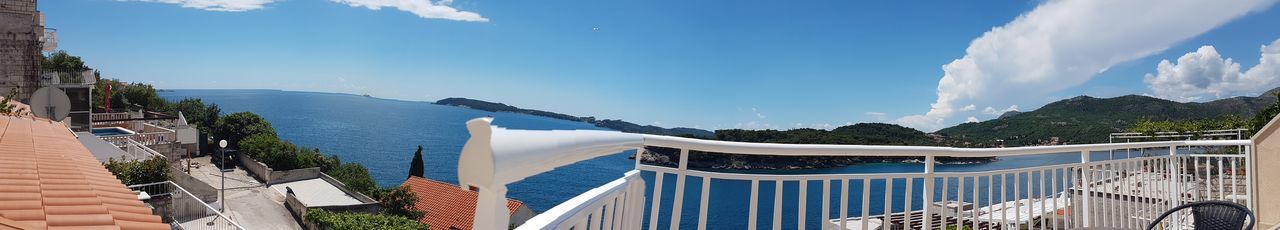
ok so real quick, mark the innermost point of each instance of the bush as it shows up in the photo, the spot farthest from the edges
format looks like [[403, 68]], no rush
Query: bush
[[356, 177], [139, 172], [344, 221], [282, 155]]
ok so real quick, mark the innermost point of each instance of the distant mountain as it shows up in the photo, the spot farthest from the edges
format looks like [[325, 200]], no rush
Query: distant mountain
[[857, 134], [1087, 119], [618, 125]]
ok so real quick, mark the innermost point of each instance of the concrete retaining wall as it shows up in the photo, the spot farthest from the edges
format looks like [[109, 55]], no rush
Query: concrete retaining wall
[[203, 191], [299, 211], [259, 170], [292, 175], [357, 195], [269, 176]]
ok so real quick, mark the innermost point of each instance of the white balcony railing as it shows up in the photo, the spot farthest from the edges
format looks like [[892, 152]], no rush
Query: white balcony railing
[[182, 210], [154, 138], [1125, 192]]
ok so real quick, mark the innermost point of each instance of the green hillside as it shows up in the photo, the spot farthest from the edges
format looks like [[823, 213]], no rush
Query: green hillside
[[1087, 119]]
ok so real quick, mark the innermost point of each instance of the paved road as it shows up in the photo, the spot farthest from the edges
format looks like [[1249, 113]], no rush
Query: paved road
[[249, 203]]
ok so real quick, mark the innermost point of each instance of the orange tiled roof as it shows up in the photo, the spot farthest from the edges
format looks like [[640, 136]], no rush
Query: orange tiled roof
[[49, 181], [447, 206]]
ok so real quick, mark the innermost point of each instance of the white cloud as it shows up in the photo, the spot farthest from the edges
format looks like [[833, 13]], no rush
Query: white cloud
[[423, 8], [971, 120], [1204, 75], [970, 107], [215, 5], [757, 112], [994, 112], [1061, 44], [877, 116]]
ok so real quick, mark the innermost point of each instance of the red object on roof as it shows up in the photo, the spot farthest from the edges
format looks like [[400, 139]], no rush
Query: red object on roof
[[106, 102], [446, 206], [48, 180]]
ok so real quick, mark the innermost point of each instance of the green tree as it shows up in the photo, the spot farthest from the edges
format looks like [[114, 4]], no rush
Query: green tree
[[238, 126], [197, 113], [137, 96], [1265, 115], [400, 201], [415, 166], [63, 62], [270, 151], [356, 177]]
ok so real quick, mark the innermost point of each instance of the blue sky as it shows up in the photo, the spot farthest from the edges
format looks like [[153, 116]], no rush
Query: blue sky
[[704, 64]]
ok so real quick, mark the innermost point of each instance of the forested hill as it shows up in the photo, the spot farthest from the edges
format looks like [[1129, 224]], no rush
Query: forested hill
[[1087, 119], [618, 125], [857, 134]]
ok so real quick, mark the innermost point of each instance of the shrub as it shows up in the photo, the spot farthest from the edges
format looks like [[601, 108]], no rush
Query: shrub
[[356, 177], [270, 151], [344, 221], [400, 201], [139, 172]]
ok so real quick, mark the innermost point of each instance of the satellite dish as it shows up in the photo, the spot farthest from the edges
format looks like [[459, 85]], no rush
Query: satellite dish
[[51, 103]]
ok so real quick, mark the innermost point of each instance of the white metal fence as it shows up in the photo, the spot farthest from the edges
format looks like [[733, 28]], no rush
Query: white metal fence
[[154, 138], [1123, 192], [181, 209]]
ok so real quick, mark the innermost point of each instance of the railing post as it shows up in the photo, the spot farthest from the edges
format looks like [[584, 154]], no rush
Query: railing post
[[491, 208], [677, 204], [1250, 176], [928, 193], [1085, 192], [1175, 177]]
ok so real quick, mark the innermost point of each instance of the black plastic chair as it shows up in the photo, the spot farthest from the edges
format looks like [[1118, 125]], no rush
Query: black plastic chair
[[1213, 215]]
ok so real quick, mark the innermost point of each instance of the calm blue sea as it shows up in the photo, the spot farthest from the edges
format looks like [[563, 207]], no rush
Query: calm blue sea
[[382, 134]]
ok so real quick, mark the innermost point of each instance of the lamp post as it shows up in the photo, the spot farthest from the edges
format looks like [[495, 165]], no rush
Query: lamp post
[[222, 160]]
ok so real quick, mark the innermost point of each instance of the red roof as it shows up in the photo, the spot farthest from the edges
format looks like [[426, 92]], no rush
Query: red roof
[[447, 206], [49, 181]]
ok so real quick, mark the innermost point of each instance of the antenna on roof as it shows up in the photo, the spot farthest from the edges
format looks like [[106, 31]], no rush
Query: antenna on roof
[[51, 103]]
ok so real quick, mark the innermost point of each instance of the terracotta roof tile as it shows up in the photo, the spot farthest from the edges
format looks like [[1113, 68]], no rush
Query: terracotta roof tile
[[447, 206], [49, 181]]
